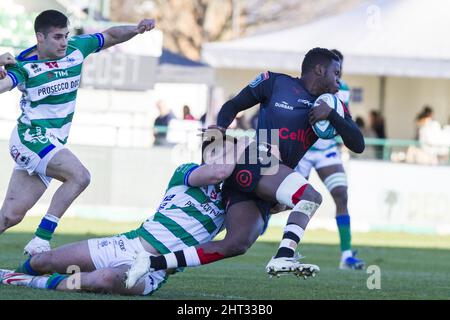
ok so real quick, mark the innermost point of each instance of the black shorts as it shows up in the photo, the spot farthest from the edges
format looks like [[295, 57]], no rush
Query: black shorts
[[247, 172], [232, 196]]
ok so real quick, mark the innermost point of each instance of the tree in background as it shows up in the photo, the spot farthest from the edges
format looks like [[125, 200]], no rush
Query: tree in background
[[187, 24]]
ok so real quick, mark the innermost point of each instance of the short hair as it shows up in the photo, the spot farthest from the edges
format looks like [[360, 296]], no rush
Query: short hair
[[207, 142], [318, 56], [48, 19], [338, 53]]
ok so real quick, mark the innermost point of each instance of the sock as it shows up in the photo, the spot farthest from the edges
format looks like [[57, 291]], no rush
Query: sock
[[343, 223], [54, 280], [291, 237], [39, 282], [188, 257], [27, 269], [47, 227]]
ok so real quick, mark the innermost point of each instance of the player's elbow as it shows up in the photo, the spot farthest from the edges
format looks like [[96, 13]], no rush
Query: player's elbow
[[356, 145], [360, 146]]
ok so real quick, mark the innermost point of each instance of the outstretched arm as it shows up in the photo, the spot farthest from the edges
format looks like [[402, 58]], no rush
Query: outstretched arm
[[6, 82], [119, 34]]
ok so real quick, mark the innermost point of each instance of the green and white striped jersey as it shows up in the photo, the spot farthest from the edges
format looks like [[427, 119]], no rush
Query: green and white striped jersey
[[49, 87], [187, 216]]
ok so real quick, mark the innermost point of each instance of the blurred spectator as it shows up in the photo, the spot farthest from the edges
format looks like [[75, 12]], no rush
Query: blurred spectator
[[366, 132], [422, 118], [187, 113], [162, 122], [434, 147], [377, 125]]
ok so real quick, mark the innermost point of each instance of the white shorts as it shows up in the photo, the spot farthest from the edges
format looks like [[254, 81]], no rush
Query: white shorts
[[318, 159], [33, 154], [119, 250]]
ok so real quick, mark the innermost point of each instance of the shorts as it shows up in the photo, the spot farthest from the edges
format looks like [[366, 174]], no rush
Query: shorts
[[32, 149], [247, 172], [120, 250], [318, 159], [232, 196]]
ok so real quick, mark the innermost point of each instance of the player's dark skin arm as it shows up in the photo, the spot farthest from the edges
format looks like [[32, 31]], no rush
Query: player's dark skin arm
[[243, 101], [346, 127]]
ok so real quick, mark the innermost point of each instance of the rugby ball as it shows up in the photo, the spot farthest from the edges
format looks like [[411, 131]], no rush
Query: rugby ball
[[323, 128]]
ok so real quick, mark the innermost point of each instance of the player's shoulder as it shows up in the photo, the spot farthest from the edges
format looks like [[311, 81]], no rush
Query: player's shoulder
[[181, 174], [81, 37], [266, 75], [283, 77], [28, 55], [86, 39], [186, 167]]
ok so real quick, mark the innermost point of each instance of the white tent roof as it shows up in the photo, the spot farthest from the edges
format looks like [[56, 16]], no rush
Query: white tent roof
[[385, 37]]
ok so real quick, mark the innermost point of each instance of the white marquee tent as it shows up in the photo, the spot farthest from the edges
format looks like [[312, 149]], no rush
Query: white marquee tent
[[407, 38]]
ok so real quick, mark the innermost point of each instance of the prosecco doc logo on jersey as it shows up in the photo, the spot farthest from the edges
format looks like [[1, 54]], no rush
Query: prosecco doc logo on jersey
[[56, 88]]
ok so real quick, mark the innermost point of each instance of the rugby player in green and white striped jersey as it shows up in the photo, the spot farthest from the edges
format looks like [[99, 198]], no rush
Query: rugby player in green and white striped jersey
[[190, 213], [48, 75]]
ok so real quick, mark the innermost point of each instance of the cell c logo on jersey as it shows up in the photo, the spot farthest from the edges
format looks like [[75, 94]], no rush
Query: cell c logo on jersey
[[244, 178]]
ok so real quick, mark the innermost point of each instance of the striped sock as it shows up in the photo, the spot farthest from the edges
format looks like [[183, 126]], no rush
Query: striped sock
[[39, 282], [343, 223], [27, 269], [47, 227], [54, 280], [187, 257], [291, 237]]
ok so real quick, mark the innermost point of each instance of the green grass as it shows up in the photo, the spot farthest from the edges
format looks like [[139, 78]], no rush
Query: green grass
[[412, 267]]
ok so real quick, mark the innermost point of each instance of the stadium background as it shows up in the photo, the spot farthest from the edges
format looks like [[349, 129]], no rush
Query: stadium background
[[396, 62]]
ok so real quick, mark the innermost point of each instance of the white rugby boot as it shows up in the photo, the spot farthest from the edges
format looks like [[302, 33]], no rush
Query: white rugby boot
[[138, 269], [36, 245], [283, 265], [4, 272], [17, 279]]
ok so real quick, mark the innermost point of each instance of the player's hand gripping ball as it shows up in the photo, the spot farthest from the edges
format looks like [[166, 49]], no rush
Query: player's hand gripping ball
[[323, 128]]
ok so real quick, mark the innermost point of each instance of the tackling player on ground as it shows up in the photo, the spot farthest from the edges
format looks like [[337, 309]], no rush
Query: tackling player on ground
[[325, 158], [190, 213], [48, 75]]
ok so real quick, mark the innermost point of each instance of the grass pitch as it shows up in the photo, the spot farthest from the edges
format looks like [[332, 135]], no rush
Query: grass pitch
[[412, 267]]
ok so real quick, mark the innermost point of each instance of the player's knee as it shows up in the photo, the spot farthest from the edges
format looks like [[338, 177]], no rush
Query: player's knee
[[237, 247], [105, 280], [82, 179], [238, 250], [43, 262], [102, 281], [295, 188], [10, 217], [312, 195]]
